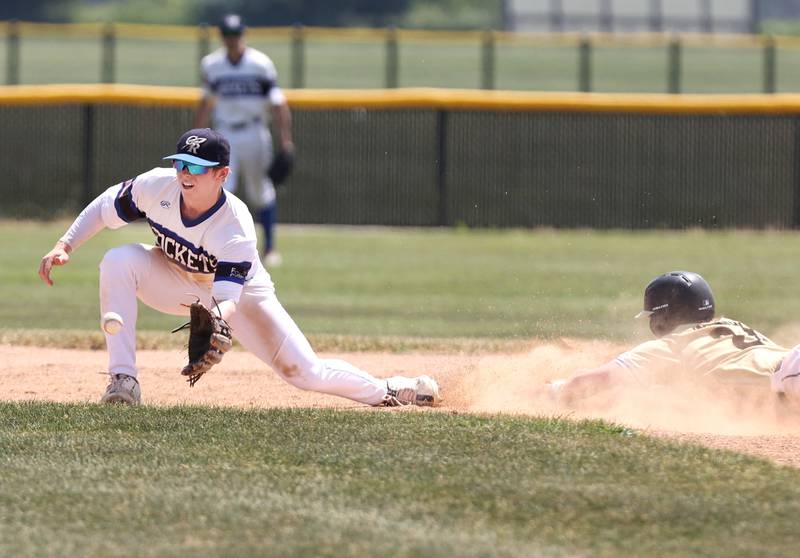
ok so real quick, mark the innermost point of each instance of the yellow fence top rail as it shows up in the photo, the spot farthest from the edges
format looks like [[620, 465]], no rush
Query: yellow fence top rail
[[62, 94], [463, 99], [419, 98]]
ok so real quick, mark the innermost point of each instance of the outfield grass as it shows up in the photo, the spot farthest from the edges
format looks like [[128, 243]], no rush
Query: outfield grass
[[338, 63], [88, 480], [438, 283]]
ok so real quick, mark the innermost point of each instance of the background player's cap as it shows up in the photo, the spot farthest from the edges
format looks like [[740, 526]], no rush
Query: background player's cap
[[203, 146], [231, 24]]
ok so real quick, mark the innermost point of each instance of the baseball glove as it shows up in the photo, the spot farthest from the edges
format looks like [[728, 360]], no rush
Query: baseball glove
[[281, 167], [209, 339]]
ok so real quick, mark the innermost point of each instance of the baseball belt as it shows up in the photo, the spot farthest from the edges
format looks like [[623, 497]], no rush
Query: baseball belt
[[242, 125]]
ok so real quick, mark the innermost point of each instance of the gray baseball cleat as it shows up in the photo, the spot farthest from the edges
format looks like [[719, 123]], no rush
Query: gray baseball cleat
[[123, 389], [422, 391]]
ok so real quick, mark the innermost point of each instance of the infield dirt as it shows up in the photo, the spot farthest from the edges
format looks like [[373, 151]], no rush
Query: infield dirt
[[748, 422]]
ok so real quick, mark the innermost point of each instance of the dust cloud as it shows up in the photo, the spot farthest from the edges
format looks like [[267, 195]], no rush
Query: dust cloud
[[516, 384], [513, 383]]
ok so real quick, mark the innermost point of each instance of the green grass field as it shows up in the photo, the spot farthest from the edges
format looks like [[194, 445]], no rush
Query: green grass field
[[342, 64], [85, 480], [443, 283], [170, 481]]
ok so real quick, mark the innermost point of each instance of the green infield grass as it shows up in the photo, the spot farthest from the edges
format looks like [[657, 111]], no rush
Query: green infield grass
[[419, 285], [89, 480], [341, 63]]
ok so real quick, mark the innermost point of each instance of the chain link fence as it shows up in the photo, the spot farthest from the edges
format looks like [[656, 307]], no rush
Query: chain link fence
[[445, 160]]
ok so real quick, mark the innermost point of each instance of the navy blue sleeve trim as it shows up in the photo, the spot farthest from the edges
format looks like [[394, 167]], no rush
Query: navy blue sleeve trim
[[123, 203], [236, 272], [266, 86]]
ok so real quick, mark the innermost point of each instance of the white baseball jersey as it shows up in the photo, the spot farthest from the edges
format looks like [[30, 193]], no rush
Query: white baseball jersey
[[722, 350], [218, 246], [242, 90], [212, 258]]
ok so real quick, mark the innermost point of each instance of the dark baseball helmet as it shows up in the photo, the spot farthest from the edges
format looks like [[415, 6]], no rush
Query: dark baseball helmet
[[675, 298], [231, 25]]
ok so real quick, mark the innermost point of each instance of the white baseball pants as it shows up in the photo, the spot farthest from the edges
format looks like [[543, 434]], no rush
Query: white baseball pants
[[260, 323], [251, 155], [787, 379]]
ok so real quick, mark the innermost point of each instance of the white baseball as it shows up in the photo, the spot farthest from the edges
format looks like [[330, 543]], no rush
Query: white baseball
[[112, 323]]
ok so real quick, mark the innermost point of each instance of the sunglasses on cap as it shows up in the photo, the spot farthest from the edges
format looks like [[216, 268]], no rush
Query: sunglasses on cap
[[190, 167]]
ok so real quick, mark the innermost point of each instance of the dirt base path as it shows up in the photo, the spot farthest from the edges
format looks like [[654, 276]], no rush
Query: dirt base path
[[241, 380], [509, 383]]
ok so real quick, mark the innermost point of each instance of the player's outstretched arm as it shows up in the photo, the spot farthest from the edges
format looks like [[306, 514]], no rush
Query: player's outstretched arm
[[584, 383], [59, 255], [226, 309]]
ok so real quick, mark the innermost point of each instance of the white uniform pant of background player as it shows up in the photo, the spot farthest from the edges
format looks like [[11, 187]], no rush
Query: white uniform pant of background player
[[251, 155], [260, 323]]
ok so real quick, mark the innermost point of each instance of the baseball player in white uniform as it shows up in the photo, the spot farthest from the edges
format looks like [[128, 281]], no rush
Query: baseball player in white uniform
[[205, 247], [239, 83], [692, 344]]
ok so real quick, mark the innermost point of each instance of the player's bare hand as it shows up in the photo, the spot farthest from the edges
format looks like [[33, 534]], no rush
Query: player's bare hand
[[552, 391], [59, 255]]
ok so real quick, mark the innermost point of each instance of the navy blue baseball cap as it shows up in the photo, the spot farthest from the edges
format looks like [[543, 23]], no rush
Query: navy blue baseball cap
[[203, 146], [231, 24]]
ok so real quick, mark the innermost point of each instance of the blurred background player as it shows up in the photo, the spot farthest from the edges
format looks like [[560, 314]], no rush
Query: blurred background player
[[691, 344], [241, 84]]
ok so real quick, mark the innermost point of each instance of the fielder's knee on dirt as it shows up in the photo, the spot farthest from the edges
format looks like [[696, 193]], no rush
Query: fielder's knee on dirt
[[299, 368], [334, 377], [308, 378]]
